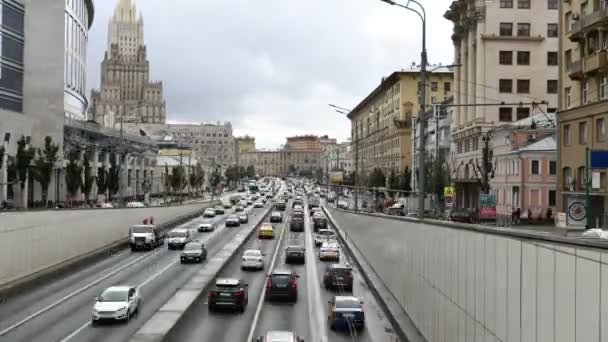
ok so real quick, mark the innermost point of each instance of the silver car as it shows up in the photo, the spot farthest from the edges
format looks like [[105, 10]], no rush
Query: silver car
[[116, 303], [280, 336]]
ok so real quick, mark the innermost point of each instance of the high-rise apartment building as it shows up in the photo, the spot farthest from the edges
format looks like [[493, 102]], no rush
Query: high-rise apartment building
[[126, 93], [583, 109], [508, 56]]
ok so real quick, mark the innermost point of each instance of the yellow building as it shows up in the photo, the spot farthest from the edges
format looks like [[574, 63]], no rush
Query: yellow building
[[243, 145], [382, 123], [583, 106]]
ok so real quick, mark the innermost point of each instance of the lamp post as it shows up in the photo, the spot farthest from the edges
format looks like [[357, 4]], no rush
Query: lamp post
[[355, 138], [423, 61]]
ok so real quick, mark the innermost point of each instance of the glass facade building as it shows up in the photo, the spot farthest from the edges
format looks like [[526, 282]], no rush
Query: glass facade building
[[11, 58]]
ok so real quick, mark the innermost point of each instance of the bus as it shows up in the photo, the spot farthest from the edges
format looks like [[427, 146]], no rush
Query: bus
[[253, 187]]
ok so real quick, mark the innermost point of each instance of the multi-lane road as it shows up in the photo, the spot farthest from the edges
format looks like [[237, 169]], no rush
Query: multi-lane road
[[61, 309], [307, 317]]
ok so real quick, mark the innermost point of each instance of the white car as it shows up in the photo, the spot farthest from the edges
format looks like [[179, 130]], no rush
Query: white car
[[323, 236], [135, 205], [208, 226], [252, 259], [258, 205], [329, 251], [279, 336], [178, 238], [209, 212], [116, 303]]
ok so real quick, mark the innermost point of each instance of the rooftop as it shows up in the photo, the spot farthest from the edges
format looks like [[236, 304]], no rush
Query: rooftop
[[548, 143]]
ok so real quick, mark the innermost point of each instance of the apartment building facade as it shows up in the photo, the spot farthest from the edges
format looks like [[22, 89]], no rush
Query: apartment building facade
[[583, 109], [508, 56]]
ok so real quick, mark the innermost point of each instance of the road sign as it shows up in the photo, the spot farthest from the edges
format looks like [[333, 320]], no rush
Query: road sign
[[487, 206]]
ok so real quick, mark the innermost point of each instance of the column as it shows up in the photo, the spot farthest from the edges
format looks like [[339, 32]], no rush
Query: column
[[471, 86], [457, 76], [480, 72], [4, 174], [94, 172], [462, 90], [123, 163]]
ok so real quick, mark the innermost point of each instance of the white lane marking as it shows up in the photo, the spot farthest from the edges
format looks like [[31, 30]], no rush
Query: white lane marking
[[80, 290], [258, 310], [76, 332], [316, 324]]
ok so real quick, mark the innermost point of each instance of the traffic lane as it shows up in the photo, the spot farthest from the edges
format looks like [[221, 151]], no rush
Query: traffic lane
[[282, 315], [201, 325], [17, 307], [69, 316]]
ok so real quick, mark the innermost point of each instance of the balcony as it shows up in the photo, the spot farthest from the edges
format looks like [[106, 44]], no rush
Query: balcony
[[586, 22], [596, 62], [575, 70]]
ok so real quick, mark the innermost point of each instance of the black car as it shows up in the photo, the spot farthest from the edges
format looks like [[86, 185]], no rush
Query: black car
[[219, 210], [314, 203], [228, 294], [233, 221], [282, 285], [281, 205], [295, 254], [276, 216], [296, 224], [193, 252], [319, 221], [338, 277]]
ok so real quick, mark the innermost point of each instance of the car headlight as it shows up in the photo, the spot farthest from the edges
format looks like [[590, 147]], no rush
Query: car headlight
[[121, 310]]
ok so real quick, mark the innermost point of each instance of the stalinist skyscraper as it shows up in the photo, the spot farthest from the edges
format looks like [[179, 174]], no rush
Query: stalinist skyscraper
[[126, 93]]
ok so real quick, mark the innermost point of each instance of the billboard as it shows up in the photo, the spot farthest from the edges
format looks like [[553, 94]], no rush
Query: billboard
[[487, 206], [598, 159], [336, 177], [448, 196]]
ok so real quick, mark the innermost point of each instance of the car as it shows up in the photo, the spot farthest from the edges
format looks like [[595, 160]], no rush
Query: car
[[296, 223], [298, 208], [324, 235], [345, 312], [266, 231], [240, 189], [193, 251], [315, 210], [279, 336], [313, 203], [178, 238], [258, 204], [269, 195], [243, 203], [252, 259], [319, 221], [219, 210], [338, 277], [249, 201], [228, 293], [207, 226], [145, 236], [116, 303], [238, 209], [243, 217], [342, 204], [276, 216], [136, 205], [233, 221], [282, 285], [329, 251], [297, 201], [209, 212], [295, 254], [464, 215], [281, 205]]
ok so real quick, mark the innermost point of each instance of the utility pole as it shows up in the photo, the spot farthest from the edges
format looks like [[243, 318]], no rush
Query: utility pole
[[356, 168], [422, 121]]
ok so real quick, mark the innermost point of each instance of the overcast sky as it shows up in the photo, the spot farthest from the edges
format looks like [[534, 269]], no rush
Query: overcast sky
[[272, 66]]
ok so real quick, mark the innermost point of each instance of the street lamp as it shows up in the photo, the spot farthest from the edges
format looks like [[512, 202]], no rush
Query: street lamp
[[423, 61]]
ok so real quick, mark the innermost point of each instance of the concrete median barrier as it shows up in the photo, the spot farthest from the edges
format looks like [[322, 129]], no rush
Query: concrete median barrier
[[39, 243]]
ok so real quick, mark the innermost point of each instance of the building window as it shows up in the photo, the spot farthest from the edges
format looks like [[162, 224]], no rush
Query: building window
[[12, 18], [447, 87], [505, 57], [505, 114], [506, 3], [523, 57], [552, 86], [523, 29], [552, 168], [506, 29], [523, 86], [600, 129], [523, 4], [569, 21], [603, 88], [505, 86], [534, 167], [585, 92], [460, 147], [552, 4], [581, 178], [566, 135], [552, 198], [582, 133], [568, 97], [475, 144], [552, 30], [433, 86], [523, 112], [551, 58]]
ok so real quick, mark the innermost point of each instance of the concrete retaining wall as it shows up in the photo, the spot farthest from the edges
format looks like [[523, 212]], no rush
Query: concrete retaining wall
[[466, 286], [34, 241]]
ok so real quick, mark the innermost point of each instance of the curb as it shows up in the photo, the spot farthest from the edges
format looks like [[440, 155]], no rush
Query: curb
[[161, 325], [79, 262], [400, 320]]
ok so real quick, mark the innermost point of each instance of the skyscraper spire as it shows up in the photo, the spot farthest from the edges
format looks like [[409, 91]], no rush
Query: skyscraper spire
[[125, 11]]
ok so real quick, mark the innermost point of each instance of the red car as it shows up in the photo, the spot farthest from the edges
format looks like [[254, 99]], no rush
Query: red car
[[338, 277], [282, 285]]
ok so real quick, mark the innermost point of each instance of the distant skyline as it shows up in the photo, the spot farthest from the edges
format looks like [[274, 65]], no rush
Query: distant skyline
[[274, 75]]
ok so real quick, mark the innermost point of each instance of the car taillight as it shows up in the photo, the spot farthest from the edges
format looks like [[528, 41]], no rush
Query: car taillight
[[212, 293], [292, 282], [349, 275], [269, 282], [239, 293]]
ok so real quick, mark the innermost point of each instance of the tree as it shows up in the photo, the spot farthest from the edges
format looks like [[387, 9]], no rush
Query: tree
[[1, 155], [166, 178], [292, 170], [436, 177], [197, 177], [43, 166], [25, 154], [486, 169], [319, 175], [88, 181], [349, 179], [250, 171], [377, 178], [102, 181], [113, 176], [216, 178], [73, 173], [232, 174], [393, 182], [405, 181], [178, 180]]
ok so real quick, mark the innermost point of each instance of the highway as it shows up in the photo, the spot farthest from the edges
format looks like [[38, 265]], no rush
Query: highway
[[307, 317], [61, 309]]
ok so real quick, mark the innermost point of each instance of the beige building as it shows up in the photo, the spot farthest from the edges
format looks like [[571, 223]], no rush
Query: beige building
[[126, 93], [382, 123], [582, 115], [242, 145], [283, 162], [304, 142], [508, 52]]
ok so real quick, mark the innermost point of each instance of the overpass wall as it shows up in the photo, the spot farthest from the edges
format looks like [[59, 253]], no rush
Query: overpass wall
[[32, 241], [468, 286]]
